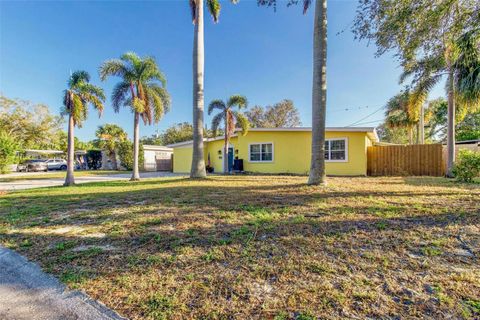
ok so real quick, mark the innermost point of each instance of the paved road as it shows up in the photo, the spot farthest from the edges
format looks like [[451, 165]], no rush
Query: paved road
[[26, 292], [39, 183]]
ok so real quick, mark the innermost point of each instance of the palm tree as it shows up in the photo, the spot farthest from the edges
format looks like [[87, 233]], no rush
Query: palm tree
[[110, 135], [461, 63], [142, 89], [402, 113], [196, 6], [319, 87], [231, 119], [76, 98]]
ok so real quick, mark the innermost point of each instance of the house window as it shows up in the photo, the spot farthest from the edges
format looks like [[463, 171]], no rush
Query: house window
[[261, 152], [336, 150]]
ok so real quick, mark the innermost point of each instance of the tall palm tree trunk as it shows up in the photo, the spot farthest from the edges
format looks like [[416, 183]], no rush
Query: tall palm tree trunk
[[319, 94], [225, 147], [421, 125], [136, 133], [450, 125], [70, 179], [198, 161], [410, 134], [113, 157]]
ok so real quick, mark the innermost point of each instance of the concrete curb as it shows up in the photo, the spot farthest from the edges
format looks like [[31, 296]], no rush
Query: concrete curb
[[26, 292]]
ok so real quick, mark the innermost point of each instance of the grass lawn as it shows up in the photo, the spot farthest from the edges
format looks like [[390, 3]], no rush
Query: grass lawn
[[59, 174], [258, 247]]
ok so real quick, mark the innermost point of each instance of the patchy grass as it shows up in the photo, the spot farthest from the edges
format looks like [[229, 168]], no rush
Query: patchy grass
[[57, 175], [256, 247]]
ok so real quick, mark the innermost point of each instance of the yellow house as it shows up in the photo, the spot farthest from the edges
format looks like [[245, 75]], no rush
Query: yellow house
[[284, 150]]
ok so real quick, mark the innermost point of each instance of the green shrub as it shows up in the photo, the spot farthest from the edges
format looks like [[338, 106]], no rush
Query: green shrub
[[125, 153], [467, 166], [8, 148]]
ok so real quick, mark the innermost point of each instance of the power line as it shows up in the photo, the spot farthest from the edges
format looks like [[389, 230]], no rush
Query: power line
[[366, 117], [367, 122], [347, 109]]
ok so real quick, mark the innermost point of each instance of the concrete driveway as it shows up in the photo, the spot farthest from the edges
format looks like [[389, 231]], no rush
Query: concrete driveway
[[27, 293], [50, 182]]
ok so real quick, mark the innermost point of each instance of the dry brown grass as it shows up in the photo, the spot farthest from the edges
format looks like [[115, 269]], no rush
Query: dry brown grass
[[253, 247]]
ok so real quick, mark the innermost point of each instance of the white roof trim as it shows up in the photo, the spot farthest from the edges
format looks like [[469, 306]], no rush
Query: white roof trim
[[186, 143], [371, 130], [155, 147]]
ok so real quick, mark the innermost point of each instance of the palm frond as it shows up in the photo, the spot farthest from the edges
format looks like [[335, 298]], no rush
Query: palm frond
[[214, 9], [467, 76], [193, 10], [238, 101], [216, 104], [119, 95], [306, 5], [150, 71], [93, 90], [242, 122], [93, 100], [157, 103], [419, 95], [78, 77], [113, 67], [78, 110], [133, 59], [163, 94], [216, 120]]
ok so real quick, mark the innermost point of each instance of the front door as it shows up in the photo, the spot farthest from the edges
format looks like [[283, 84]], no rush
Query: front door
[[230, 159]]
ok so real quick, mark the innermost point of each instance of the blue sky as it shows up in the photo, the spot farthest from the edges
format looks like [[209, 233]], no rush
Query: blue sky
[[253, 51]]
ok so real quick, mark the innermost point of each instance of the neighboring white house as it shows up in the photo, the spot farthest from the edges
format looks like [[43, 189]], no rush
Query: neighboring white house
[[157, 158]]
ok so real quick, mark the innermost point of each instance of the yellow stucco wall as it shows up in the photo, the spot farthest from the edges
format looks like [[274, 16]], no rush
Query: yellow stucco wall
[[291, 151], [182, 159]]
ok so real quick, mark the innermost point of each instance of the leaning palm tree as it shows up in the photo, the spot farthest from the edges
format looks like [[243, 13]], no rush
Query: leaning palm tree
[[110, 135], [231, 119], [76, 98], [142, 89], [196, 6], [319, 88]]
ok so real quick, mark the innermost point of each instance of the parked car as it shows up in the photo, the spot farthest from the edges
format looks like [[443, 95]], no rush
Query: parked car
[[57, 164], [32, 165]]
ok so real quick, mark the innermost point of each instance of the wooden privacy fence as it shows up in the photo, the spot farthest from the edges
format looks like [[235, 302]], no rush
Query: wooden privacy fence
[[405, 160]]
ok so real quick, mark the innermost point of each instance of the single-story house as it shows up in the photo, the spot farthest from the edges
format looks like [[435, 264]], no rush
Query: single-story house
[[284, 150], [157, 158]]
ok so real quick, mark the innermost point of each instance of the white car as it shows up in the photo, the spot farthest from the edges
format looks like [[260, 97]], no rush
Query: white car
[[57, 164]]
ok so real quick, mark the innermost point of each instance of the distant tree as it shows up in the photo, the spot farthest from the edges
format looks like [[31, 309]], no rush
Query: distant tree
[[77, 96], [142, 89], [109, 136], [281, 115], [256, 116], [392, 134], [8, 148], [431, 39], [178, 132], [231, 119], [469, 128], [31, 125], [467, 123], [154, 139], [125, 154]]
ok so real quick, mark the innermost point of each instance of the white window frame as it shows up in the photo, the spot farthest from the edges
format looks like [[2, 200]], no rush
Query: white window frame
[[329, 150], [261, 161]]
